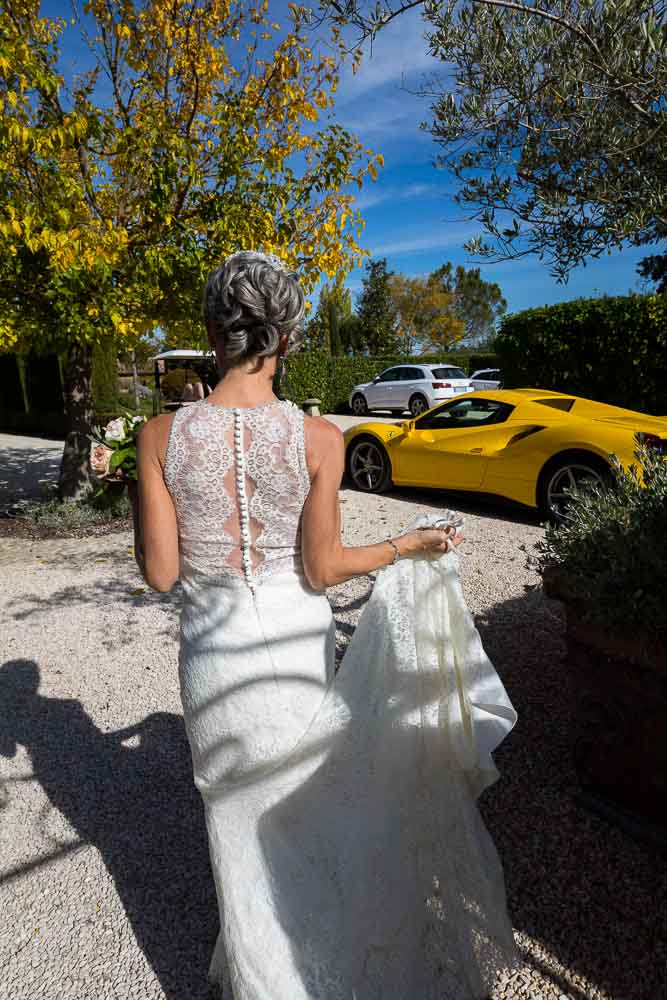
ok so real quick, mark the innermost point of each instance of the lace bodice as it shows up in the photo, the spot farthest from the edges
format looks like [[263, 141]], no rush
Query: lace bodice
[[239, 480]]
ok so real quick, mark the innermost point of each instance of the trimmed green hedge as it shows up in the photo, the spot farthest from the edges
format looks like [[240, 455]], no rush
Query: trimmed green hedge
[[330, 379], [613, 350]]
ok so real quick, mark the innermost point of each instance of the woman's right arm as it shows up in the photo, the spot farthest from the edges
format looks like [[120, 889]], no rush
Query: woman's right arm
[[326, 561]]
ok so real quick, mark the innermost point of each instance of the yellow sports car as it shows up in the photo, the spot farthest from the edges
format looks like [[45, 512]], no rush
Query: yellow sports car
[[528, 445]]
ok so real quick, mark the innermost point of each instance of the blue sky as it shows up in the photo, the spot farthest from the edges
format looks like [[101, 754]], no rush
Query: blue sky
[[411, 216]]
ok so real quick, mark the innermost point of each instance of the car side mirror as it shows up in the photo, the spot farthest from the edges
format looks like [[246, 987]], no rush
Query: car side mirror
[[407, 426], [377, 378]]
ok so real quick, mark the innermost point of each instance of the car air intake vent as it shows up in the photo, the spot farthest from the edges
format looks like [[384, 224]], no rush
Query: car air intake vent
[[526, 432]]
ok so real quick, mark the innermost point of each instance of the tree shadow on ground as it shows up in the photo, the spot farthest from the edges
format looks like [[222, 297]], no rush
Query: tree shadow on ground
[[581, 888], [25, 473], [138, 806], [117, 591]]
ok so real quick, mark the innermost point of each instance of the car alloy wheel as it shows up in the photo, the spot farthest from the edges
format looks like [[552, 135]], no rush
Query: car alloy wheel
[[368, 466], [418, 405], [572, 475], [359, 405]]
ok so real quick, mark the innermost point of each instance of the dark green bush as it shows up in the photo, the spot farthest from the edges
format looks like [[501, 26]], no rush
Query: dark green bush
[[477, 361], [613, 350], [330, 379], [611, 551], [105, 376]]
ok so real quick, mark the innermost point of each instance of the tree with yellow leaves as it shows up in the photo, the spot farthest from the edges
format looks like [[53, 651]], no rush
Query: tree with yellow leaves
[[425, 314], [175, 145]]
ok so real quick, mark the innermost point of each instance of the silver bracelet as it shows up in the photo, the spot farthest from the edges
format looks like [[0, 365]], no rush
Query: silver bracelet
[[397, 554]]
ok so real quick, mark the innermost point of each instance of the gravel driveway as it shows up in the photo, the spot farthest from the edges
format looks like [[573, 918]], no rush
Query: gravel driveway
[[105, 889], [27, 466]]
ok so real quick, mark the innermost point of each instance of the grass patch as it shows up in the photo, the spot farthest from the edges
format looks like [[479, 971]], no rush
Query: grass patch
[[50, 517]]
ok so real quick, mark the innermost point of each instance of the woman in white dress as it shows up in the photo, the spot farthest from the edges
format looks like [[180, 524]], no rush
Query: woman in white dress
[[348, 853]]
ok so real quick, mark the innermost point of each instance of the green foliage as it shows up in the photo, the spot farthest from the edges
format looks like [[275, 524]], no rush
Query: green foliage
[[552, 118], [654, 268], [611, 553], [376, 309], [330, 379], [54, 518], [479, 361], [613, 350], [326, 331], [479, 304], [105, 375]]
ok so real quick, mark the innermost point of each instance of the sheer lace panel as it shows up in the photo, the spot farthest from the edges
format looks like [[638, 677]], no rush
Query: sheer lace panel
[[239, 480]]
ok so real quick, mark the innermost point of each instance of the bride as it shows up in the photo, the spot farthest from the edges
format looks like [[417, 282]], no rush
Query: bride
[[349, 857]]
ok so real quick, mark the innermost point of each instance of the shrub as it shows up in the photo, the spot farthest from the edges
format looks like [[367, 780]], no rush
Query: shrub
[[105, 376], [613, 350], [611, 552]]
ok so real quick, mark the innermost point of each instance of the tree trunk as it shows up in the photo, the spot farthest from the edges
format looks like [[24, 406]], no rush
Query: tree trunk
[[135, 381], [76, 477]]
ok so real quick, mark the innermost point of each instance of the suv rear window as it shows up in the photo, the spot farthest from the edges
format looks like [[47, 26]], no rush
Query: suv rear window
[[448, 373]]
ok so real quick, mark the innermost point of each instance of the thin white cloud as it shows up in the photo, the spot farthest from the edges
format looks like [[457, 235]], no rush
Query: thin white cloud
[[454, 236], [399, 49], [371, 198]]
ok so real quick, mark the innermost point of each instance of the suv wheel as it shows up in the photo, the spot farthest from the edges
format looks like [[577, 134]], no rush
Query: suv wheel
[[418, 405], [359, 405]]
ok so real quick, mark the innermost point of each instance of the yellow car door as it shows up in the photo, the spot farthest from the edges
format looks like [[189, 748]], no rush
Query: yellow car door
[[449, 447]]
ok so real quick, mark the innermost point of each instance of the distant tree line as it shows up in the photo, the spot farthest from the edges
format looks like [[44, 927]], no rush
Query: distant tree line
[[397, 314]]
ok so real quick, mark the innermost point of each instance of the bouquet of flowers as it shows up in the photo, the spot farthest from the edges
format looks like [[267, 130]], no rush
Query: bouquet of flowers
[[113, 450]]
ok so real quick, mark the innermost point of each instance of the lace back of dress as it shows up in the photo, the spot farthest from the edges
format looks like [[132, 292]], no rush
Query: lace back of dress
[[239, 480]]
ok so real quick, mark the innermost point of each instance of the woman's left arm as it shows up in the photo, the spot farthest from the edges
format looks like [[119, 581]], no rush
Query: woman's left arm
[[156, 530]]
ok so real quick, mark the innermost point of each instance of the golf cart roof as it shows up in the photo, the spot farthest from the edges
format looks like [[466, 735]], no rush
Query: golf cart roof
[[181, 355]]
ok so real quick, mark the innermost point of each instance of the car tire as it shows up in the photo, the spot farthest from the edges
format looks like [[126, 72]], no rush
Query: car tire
[[367, 465], [564, 470], [359, 405], [418, 404]]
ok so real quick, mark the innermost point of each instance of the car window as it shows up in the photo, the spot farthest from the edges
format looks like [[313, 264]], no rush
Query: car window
[[410, 374], [465, 413], [448, 373], [391, 375], [558, 403]]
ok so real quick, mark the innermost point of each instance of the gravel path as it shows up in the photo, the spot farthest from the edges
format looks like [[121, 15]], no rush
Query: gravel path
[[105, 890]]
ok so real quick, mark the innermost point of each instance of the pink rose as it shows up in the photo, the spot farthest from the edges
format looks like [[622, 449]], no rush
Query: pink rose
[[99, 459]]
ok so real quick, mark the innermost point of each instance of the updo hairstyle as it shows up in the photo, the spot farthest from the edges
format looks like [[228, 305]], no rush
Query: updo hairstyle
[[250, 301]]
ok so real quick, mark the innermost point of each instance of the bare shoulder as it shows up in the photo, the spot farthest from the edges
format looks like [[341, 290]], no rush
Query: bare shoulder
[[154, 435], [323, 439], [322, 435]]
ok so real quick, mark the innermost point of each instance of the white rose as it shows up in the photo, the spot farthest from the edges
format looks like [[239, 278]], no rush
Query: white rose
[[115, 430]]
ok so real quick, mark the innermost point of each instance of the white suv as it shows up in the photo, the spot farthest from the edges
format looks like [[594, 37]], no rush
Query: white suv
[[486, 378], [409, 387]]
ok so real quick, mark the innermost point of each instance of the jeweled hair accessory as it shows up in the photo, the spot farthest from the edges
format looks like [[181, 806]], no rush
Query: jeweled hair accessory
[[269, 258]]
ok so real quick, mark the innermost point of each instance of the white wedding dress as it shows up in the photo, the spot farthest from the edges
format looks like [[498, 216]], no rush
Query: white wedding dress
[[349, 856]]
